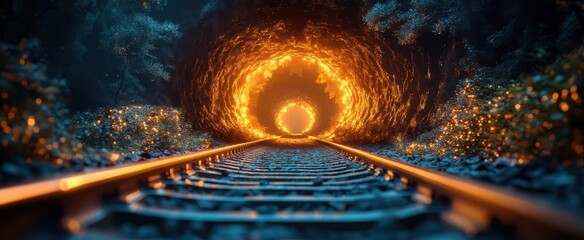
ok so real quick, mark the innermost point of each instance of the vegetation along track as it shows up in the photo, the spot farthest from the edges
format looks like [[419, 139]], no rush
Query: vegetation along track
[[289, 188]]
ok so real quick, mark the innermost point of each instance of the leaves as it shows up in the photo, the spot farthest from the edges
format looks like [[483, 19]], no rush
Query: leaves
[[33, 117], [537, 117], [138, 128], [139, 50]]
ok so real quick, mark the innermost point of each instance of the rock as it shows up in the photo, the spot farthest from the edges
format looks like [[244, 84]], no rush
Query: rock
[[155, 154], [557, 180], [504, 162], [146, 155], [520, 184], [446, 163], [482, 166], [427, 164], [479, 175], [506, 174], [132, 157], [456, 170], [473, 160], [523, 184], [536, 173], [11, 169]]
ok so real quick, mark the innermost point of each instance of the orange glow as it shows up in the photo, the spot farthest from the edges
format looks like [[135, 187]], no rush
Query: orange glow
[[359, 86], [53, 187], [338, 87], [296, 114], [72, 225], [220, 88], [200, 183], [503, 203]]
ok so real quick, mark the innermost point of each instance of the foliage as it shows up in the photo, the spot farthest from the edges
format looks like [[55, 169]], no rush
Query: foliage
[[488, 41], [148, 4], [79, 44], [458, 125], [209, 7], [33, 118], [539, 116], [140, 48], [138, 128], [500, 36], [408, 19]]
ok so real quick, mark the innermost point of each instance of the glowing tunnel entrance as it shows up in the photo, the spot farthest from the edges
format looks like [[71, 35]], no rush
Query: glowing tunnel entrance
[[291, 83], [253, 70]]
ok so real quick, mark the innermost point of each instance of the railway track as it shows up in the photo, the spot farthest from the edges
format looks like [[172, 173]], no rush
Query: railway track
[[268, 189]]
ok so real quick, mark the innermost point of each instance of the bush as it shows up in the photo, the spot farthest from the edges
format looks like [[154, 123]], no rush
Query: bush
[[33, 118], [139, 49], [139, 128], [537, 117], [542, 115], [457, 125]]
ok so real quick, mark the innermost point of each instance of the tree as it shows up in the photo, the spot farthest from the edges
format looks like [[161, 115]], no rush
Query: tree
[[140, 49]]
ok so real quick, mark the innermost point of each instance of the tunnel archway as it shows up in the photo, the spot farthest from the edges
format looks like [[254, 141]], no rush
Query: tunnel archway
[[257, 55]]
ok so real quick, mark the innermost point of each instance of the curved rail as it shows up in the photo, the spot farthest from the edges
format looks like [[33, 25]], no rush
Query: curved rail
[[32, 192], [476, 204]]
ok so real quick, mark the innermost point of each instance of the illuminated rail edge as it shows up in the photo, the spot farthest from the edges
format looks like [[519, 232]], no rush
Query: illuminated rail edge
[[473, 205]]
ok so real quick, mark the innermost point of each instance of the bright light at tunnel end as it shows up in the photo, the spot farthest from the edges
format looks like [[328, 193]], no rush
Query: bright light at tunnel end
[[307, 109], [338, 86]]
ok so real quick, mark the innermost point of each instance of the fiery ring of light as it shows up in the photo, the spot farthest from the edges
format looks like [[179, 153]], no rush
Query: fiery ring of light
[[257, 79], [305, 106]]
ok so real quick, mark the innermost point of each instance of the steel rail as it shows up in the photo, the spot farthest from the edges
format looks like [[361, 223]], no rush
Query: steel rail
[[60, 186], [474, 205], [480, 203]]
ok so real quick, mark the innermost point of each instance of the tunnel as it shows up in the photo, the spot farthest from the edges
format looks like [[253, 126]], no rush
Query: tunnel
[[291, 119], [247, 60]]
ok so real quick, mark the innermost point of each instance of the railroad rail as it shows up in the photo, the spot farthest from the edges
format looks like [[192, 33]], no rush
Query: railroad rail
[[263, 189]]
